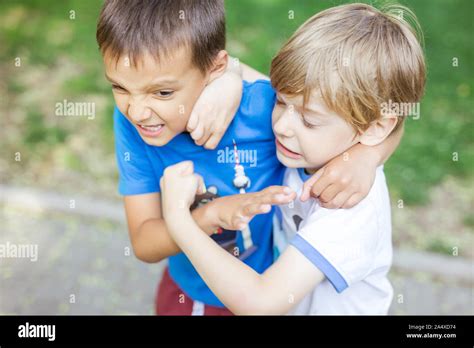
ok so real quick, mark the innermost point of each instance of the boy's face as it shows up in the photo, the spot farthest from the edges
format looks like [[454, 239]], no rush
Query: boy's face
[[310, 137], [156, 97]]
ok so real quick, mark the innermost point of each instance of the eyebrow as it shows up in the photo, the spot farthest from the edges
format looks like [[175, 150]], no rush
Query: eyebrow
[[159, 83], [308, 107], [316, 109]]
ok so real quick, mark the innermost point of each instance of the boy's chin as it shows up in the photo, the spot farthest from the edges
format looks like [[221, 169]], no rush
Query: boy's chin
[[290, 162], [298, 163], [160, 140]]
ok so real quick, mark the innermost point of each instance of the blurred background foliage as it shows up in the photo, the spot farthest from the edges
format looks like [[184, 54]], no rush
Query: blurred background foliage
[[59, 59]]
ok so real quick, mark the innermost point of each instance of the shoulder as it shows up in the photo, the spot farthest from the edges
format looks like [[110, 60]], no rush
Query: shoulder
[[121, 123], [364, 220], [345, 243], [364, 216], [128, 143]]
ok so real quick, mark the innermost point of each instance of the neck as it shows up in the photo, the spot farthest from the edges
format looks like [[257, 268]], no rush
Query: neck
[[311, 171]]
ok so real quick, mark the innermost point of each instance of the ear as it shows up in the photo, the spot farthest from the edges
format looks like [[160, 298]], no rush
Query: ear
[[219, 65], [378, 130]]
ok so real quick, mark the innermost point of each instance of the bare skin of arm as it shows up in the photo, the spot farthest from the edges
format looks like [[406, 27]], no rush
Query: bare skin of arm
[[250, 74], [149, 235]]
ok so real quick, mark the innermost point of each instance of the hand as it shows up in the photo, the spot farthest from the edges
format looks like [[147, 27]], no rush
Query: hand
[[345, 180], [179, 185], [215, 109], [235, 212]]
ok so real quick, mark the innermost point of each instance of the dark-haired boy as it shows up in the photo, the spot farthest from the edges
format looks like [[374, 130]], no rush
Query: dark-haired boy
[[159, 56]]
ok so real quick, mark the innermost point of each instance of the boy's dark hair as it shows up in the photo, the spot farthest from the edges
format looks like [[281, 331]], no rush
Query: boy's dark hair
[[135, 27]]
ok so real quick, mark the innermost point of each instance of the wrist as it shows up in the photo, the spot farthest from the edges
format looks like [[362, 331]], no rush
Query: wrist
[[177, 225], [371, 154], [176, 219], [208, 217]]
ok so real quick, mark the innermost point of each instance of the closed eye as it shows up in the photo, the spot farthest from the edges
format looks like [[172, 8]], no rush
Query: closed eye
[[307, 124], [118, 88], [279, 101]]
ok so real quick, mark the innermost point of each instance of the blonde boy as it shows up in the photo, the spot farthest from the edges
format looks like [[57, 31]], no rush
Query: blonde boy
[[332, 78]]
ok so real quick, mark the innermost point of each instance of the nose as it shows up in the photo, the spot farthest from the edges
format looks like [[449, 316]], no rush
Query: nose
[[138, 110], [282, 125]]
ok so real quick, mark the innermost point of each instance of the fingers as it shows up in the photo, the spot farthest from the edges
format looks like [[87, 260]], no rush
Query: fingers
[[329, 193], [322, 185], [198, 132], [338, 201], [205, 136], [214, 134], [276, 199], [352, 201], [192, 122], [255, 209], [275, 189], [240, 221], [202, 134], [261, 203], [309, 184], [181, 168], [185, 168], [201, 186], [274, 195], [214, 139], [197, 128], [218, 131]]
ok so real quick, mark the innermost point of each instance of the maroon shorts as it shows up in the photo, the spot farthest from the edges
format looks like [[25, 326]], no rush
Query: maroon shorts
[[171, 300]]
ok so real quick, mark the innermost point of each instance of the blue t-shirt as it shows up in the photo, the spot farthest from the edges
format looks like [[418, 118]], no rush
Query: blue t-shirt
[[141, 167]]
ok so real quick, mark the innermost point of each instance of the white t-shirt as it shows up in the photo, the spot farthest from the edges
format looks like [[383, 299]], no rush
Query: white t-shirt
[[352, 247]]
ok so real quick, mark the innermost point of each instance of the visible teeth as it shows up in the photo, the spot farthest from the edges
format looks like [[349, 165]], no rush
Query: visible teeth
[[153, 128]]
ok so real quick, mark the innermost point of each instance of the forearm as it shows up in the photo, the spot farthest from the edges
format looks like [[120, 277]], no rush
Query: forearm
[[244, 71], [154, 243], [234, 66], [250, 74], [238, 286]]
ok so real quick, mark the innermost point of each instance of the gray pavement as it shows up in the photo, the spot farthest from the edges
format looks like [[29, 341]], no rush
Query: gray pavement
[[85, 264]]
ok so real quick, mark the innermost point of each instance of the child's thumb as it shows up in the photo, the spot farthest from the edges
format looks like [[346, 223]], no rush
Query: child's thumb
[[201, 189]]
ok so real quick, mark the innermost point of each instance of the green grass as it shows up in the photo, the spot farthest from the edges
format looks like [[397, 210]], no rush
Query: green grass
[[258, 28], [41, 33]]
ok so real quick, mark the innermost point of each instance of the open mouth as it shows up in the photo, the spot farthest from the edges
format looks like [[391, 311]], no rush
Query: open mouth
[[286, 151], [151, 130]]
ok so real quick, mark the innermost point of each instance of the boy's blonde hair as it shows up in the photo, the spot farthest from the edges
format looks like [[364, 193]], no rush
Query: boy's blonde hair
[[357, 58]]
